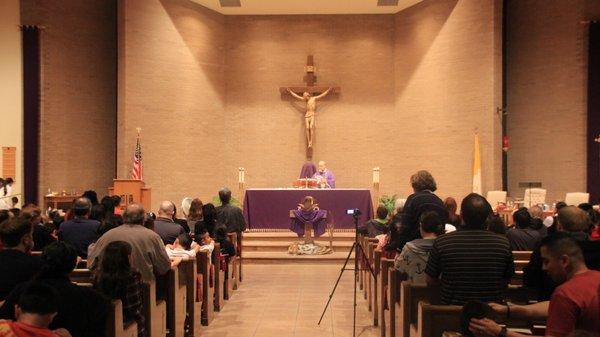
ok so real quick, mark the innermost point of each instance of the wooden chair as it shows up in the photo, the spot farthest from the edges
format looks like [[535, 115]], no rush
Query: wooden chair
[[154, 310], [204, 267], [115, 326], [384, 294]]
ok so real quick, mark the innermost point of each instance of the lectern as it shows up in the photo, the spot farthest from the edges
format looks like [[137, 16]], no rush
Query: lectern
[[131, 191]]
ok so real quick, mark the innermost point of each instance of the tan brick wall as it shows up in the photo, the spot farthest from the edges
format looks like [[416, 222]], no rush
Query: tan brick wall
[[171, 84], [547, 94], [448, 85], [205, 90], [78, 92]]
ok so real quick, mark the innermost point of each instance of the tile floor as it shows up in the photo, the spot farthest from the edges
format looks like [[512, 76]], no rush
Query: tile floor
[[285, 300]]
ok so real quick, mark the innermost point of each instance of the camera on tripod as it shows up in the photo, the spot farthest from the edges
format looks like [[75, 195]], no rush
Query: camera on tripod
[[354, 212]]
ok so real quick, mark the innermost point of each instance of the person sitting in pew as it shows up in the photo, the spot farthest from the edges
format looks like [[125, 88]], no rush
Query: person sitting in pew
[[471, 263], [81, 310], [376, 226], [185, 248], [413, 259], [575, 222], [227, 248], [81, 231], [36, 308], [522, 236], [574, 305], [164, 224], [42, 236], [149, 256], [16, 264], [118, 281]]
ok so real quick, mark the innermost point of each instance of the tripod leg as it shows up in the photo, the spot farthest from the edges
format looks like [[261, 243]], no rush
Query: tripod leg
[[337, 282]]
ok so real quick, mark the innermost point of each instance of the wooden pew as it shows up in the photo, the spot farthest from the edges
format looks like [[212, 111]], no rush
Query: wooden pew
[[521, 259], [154, 310], [81, 276], [383, 294], [370, 245], [433, 320], [234, 261], [219, 278], [115, 326], [204, 267], [188, 272], [176, 302], [375, 296]]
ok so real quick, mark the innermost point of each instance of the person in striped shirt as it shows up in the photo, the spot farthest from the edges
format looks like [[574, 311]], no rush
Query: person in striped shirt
[[471, 263]]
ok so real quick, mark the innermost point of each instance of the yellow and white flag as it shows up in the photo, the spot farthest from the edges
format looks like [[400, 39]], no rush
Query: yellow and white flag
[[476, 167]]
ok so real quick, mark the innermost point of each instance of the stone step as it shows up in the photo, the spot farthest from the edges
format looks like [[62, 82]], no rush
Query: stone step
[[290, 237], [282, 246], [338, 256]]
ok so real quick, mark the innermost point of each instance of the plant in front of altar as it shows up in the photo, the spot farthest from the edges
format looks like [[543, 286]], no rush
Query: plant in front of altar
[[217, 202], [389, 202]]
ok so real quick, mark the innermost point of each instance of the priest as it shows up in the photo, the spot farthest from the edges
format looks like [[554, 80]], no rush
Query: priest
[[324, 175]]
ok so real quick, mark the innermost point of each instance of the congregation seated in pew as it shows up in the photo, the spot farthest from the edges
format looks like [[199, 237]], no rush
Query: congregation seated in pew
[[376, 226], [184, 247], [81, 310], [472, 263], [574, 305], [149, 256], [411, 262], [80, 231], [16, 264], [164, 225], [116, 279], [523, 236], [35, 309]]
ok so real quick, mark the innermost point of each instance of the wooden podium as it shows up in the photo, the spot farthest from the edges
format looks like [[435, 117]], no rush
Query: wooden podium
[[132, 191]]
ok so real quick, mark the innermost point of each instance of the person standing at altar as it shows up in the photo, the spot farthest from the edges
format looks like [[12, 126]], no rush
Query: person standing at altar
[[325, 174]]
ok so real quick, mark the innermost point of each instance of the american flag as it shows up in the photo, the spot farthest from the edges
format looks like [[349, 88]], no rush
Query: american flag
[[138, 171]]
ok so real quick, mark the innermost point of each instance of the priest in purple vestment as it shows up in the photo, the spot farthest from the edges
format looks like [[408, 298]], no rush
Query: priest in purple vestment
[[308, 212], [326, 175]]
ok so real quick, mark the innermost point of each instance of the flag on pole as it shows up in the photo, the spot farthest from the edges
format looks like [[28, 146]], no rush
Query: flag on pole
[[138, 170], [476, 167]]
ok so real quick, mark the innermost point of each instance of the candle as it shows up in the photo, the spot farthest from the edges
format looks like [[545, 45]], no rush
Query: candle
[[241, 175], [376, 175]]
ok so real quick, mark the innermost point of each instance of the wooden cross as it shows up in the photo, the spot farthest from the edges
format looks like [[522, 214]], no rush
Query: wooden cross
[[310, 79]]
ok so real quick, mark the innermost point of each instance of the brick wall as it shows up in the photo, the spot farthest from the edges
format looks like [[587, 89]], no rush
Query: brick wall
[[78, 92], [171, 84], [204, 88], [448, 85], [547, 94]]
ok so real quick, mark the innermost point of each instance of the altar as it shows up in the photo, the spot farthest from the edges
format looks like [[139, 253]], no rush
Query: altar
[[269, 208]]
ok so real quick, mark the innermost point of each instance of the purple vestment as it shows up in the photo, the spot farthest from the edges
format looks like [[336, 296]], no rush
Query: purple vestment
[[317, 218], [326, 175], [308, 170]]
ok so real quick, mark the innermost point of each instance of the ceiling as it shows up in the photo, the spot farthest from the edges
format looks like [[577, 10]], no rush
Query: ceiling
[[283, 7]]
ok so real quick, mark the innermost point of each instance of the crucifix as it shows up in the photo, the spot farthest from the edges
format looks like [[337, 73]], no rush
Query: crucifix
[[309, 94]]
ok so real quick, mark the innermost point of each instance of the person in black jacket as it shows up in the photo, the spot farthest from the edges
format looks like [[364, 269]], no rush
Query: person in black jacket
[[376, 226], [82, 310], [227, 247], [423, 199], [575, 222]]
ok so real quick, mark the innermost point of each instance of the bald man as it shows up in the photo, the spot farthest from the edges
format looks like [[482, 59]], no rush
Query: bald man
[[164, 224], [325, 175]]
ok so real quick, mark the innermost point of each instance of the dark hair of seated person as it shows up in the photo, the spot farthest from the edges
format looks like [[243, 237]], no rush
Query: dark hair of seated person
[[382, 212], [495, 224], [15, 211], [522, 218], [13, 230], [115, 270], [474, 309], [58, 260], [98, 213], [475, 210], [185, 240], [38, 298], [91, 195], [430, 222]]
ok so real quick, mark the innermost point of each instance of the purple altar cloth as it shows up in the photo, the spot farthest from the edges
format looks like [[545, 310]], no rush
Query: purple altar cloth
[[270, 208], [317, 218]]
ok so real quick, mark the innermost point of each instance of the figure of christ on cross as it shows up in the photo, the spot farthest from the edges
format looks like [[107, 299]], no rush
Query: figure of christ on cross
[[311, 109]]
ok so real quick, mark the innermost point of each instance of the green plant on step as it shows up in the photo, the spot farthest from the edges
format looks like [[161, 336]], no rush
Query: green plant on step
[[217, 202], [388, 202]]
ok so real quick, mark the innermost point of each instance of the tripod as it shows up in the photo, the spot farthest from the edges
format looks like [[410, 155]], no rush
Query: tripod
[[356, 247]]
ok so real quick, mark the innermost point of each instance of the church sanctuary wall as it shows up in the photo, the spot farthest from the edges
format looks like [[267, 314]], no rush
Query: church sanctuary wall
[[447, 59], [11, 85], [171, 84], [547, 94], [355, 130], [78, 104]]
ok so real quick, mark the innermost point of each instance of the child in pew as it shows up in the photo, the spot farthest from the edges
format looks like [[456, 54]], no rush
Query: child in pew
[[413, 259], [185, 248], [36, 308], [118, 281], [227, 248]]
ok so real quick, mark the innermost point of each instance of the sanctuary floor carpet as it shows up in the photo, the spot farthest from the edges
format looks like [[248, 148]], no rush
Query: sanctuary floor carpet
[[286, 300]]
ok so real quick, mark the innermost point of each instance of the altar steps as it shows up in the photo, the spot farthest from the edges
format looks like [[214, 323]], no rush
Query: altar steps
[[271, 247]]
